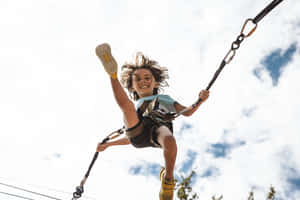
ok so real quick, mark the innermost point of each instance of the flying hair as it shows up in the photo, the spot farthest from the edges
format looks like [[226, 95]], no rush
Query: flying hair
[[159, 73]]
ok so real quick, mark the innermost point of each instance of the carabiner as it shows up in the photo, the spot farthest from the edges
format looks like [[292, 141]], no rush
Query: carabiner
[[244, 27]]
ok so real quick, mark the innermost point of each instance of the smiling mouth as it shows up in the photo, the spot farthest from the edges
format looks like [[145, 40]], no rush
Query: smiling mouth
[[144, 87]]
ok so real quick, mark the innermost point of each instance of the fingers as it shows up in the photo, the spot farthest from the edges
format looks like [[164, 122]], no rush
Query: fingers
[[204, 94], [101, 147]]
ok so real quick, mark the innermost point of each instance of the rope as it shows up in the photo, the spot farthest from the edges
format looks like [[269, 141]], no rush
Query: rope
[[29, 191]]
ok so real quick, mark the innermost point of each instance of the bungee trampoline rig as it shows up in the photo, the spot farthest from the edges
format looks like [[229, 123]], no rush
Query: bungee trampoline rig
[[170, 116]]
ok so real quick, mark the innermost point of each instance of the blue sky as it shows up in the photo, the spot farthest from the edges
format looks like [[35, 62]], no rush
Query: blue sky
[[56, 103], [275, 62], [293, 179]]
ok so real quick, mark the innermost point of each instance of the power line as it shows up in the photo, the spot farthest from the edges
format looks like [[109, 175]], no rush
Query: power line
[[29, 191], [39, 186], [14, 195]]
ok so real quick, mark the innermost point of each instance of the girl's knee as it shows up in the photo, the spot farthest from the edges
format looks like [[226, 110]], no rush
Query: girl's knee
[[169, 142], [165, 137]]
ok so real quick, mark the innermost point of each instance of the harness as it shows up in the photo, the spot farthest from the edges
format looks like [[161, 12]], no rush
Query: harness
[[151, 109], [150, 113]]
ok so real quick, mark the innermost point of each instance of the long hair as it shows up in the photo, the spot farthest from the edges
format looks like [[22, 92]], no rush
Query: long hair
[[159, 73]]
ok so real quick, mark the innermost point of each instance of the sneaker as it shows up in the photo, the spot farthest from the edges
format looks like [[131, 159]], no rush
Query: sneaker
[[103, 51], [167, 187]]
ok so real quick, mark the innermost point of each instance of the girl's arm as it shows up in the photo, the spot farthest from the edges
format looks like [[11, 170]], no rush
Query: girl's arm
[[204, 94], [122, 141]]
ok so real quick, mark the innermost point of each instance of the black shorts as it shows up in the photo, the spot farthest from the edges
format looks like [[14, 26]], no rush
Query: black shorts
[[145, 133]]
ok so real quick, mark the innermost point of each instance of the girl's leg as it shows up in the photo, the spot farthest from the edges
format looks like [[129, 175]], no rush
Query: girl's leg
[[168, 143], [103, 51], [126, 105]]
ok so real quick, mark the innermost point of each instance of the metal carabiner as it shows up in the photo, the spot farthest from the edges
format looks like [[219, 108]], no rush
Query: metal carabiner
[[245, 25]]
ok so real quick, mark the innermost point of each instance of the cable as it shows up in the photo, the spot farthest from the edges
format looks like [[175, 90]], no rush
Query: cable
[[4, 179], [14, 195], [36, 193]]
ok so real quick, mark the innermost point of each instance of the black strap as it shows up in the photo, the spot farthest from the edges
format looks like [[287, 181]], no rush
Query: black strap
[[216, 74], [267, 9]]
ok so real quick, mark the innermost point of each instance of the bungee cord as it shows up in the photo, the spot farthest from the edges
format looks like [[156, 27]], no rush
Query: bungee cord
[[266, 10], [226, 60]]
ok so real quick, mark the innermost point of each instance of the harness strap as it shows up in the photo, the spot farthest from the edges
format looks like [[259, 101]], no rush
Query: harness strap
[[135, 130], [151, 109]]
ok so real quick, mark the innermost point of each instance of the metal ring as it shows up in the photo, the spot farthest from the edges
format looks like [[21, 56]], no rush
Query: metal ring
[[227, 59]]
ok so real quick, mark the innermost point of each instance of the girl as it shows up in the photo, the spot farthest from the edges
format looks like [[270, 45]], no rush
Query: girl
[[149, 123]]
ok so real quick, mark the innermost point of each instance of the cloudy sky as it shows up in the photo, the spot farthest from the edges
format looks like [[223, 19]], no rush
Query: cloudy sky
[[56, 102]]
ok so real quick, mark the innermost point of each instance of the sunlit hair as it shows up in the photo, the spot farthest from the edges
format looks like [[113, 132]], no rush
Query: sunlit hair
[[159, 73]]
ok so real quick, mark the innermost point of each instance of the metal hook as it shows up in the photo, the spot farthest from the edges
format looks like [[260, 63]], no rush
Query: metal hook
[[251, 31]]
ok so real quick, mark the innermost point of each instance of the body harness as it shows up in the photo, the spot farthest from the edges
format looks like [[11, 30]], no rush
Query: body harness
[[168, 117]]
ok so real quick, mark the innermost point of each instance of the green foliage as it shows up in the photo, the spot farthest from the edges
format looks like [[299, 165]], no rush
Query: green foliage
[[271, 195], [184, 190], [251, 196]]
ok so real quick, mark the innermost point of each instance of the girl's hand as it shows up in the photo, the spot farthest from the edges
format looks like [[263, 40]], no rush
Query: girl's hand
[[204, 94], [102, 147]]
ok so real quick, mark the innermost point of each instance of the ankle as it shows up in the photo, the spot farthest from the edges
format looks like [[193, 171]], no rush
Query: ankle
[[169, 178]]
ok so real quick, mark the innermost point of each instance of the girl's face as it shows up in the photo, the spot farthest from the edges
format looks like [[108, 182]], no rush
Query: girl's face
[[143, 82]]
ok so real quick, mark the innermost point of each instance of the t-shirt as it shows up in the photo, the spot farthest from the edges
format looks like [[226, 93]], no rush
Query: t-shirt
[[166, 103]]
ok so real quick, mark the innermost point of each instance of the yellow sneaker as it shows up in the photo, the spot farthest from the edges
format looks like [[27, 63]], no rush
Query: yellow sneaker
[[167, 187]]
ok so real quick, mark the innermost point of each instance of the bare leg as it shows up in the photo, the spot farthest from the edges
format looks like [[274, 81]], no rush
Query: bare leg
[[168, 143], [126, 105]]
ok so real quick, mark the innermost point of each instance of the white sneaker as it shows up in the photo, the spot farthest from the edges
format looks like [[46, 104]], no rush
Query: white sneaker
[[103, 51]]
